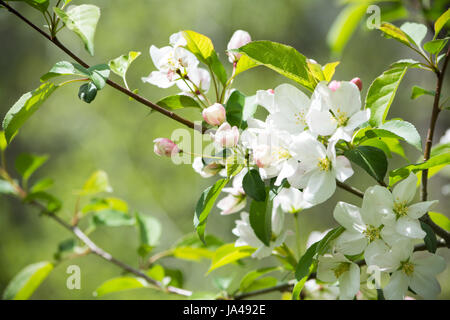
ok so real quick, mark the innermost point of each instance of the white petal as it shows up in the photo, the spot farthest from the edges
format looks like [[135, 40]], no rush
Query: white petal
[[289, 99], [343, 168], [358, 119], [349, 283], [373, 252], [429, 263], [321, 122], [321, 187], [406, 189], [160, 56], [397, 287], [159, 79], [409, 228], [417, 210], [424, 285], [349, 217], [377, 202], [267, 100], [289, 168], [351, 243], [325, 268], [347, 98]]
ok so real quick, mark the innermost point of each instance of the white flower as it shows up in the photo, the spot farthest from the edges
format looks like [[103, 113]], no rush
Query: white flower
[[337, 267], [400, 215], [445, 138], [336, 111], [291, 200], [269, 148], [416, 270], [318, 168], [198, 76], [236, 199], [172, 63], [206, 170], [226, 136], [316, 291], [361, 228], [247, 236], [214, 115], [177, 40], [238, 39], [288, 107]]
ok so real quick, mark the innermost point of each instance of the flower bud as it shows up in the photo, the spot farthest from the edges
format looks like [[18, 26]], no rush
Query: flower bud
[[358, 83], [334, 85], [226, 136], [165, 147], [239, 39], [214, 115]]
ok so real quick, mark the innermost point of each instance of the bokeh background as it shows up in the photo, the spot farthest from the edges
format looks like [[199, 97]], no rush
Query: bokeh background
[[115, 134]]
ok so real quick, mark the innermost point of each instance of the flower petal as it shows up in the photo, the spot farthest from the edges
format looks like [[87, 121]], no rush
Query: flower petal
[[349, 217], [417, 210], [406, 189], [410, 228], [377, 202], [349, 283], [425, 285], [351, 243], [397, 286], [321, 186], [343, 168]]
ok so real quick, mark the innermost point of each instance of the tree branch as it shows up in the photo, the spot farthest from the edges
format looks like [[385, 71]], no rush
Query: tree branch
[[111, 83], [429, 143], [350, 189]]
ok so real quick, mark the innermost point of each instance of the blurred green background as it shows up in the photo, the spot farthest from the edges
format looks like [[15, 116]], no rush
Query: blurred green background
[[115, 134]]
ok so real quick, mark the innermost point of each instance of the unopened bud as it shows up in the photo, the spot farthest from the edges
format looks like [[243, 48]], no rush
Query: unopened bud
[[165, 147], [358, 83], [226, 136], [214, 115], [239, 39]]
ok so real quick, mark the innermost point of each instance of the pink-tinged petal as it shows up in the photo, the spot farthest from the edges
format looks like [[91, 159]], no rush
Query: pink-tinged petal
[[159, 79]]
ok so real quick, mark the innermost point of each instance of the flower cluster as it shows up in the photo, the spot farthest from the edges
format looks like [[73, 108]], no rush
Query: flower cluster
[[298, 150], [384, 232]]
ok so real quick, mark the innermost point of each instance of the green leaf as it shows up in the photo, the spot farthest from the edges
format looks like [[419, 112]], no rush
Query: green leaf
[[234, 165], [441, 22], [27, 281], [345, 25], [41, 5], [435, 46], [193, 254], [254, 186], [329, 237], [383, 89], [261, 219], [298, 289], [87, 92], [98, 182], [228, 253], [405, 130], [418, 91], [149, 232], [119, 284], [82, 20], [430, 237], [235, 108], [65, 68], [249, 281], [6, 187], [205, 204], [178, 102], [24, 108], [435, 161], [27, 164], [329, 69], [371, 159], [51, 203], [121, 64], [3, 143], [42, 185], [259, 284], [416, 32], [441, 220], [244, 63], [394, 32], [98, 204], [112, 218], [378, 143], [202, 47], [99, 74], [281, 58], [305, 262]]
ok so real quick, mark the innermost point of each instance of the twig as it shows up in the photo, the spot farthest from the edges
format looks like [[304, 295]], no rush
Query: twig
[[429, 143], [113, 84], [350, 189]]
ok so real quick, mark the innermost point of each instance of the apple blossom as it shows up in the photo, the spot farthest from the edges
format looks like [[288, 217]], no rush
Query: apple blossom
[[336, 267], [214, 115], [236, 199], [207, 170], [238, 39], [165, 147], [226, 136], [247, 237], [318, 169], [197, 78], [358, 83], [291, 200]]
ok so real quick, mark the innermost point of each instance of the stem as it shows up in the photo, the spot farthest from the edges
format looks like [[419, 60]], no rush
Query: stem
[[297, 235], [350, 189], [113, 84], [215, 83], [428, 145]]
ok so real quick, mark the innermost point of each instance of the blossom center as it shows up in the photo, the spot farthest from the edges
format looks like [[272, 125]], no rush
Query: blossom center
[[341, 269], [300, 118], [324, 164], [407, 267], [372, 233], [341, 118], [400, 209]]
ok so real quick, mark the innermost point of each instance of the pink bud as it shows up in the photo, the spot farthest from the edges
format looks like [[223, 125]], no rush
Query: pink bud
[[334, 85], [226, 136], [271, 91], [358, 83], [165, 147], [214, 115], [239, 39]]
